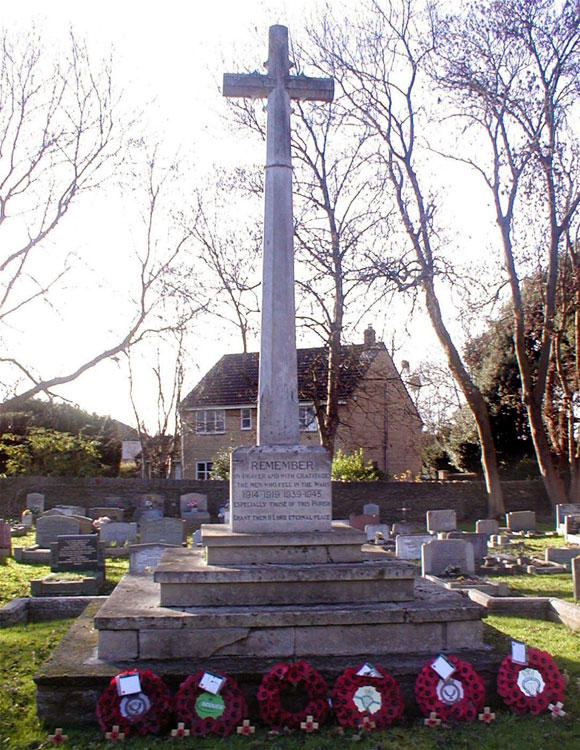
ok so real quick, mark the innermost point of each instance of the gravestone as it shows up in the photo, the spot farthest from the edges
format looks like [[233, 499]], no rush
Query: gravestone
[[78, 552], [114, 513], [561, 555], [26, 518], [487, 526], [406, 527], [571, 526], [35, 502], [372, 529], [196, 538], [441, 554], [563, 510], [53, 512], [371, 509], [72, 510], [361, 521], [5, 540], [144, 558], [49, 528], [168, 530], [149, 507], [521, 520], [408, 546], [118, 532], [85, 524], [477, 539], [193, 509], [441, 520]]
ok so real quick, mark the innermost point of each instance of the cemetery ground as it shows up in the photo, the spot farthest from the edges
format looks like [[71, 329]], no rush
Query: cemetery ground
[[23, 649]]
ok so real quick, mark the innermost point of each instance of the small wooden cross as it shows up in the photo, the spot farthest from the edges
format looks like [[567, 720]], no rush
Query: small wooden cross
[[58, 737], [367, 724], [309, 725], [115, 734], [487, 715], [432, 720], [246, 728], [556, 710], [181, 731]]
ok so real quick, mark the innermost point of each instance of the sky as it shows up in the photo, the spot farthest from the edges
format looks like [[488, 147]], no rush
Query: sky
[[168, 59]]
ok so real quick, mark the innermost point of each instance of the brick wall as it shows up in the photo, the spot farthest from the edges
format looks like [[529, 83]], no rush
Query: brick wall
[[468, 498]]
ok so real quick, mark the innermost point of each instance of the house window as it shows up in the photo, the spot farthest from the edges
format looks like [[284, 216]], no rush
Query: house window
[[203, 469], [245, 419], [307, 419], [209, 420]]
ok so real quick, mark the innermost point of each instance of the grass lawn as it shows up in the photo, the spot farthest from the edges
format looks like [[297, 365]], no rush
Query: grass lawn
[[24, 648]]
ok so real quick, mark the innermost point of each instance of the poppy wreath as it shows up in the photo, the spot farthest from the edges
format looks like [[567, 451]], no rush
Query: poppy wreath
[[292, 677], [154, 718], [187, 708], [510, 682], [384, 690], [466, 693]]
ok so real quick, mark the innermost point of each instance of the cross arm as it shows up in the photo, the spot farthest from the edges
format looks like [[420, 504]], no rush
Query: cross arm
[[319, 89], [247, 84]]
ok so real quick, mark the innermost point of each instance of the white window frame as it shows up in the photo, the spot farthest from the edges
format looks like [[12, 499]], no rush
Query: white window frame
[[245, 419], [307, 418], [203, 425], [203, 470]]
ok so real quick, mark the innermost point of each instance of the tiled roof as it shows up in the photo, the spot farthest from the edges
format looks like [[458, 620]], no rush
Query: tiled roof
[[233, 381]]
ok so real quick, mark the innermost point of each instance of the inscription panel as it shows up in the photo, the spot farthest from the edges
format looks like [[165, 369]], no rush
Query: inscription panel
[[77, 552], [280, 489]]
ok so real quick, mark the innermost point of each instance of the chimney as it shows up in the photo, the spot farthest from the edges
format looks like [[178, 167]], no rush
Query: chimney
[[370, 338]]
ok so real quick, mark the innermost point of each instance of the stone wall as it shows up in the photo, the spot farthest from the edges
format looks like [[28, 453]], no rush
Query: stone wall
[[467, 498]]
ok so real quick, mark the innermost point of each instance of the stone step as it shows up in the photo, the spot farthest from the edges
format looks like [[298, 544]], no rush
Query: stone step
[[225, 547], [132, 625], [187, 581]]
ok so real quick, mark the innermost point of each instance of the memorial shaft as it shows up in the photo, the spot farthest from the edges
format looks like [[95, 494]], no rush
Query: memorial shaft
[[278, 386]]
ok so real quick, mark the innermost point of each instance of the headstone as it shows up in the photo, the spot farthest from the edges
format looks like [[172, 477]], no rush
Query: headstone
[[561, 555], [192, 502], [476, 539], [571, 525], [118, 532], [26, 518], [360, 521], [575, 565], [442, 554], [372, 529], [85, 524], [72, 510], [563, 510], [144, 558], [487, 526], [77, 552], [168, 530], [371, 509], [441, 520], [408, 546], [196, 538], [35, 502], [114, 513], [149, 507], [405, 527], [49, 528], [53, 512], [5, 539], [521, 520]]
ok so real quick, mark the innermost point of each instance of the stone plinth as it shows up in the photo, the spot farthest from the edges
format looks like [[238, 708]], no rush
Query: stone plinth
[[132, 625], [276, 488], [342, 544], [187, 581]]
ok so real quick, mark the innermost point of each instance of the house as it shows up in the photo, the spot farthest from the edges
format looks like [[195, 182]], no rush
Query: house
[[375, 409]]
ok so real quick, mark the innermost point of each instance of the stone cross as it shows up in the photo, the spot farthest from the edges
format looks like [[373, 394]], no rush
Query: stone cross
[[277, 386]]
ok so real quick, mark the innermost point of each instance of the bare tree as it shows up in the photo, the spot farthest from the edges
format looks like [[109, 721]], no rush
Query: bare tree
[[512, 70], [62, 136], [378, 60]]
